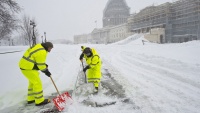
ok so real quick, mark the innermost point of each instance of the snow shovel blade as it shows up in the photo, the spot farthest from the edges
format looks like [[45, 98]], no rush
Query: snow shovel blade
[[61, 101]]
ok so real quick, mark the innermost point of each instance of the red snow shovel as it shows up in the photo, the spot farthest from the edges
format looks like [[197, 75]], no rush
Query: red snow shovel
[[61, 100]]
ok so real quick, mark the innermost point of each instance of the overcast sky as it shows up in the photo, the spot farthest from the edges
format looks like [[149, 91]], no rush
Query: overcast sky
[[62, 19]]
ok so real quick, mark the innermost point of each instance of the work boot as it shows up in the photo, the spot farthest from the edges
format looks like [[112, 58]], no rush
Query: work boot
[[96, 90], [30, 102], [46, 101]]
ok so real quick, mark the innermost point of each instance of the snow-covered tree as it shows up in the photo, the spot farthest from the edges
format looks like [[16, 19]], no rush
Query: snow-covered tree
[[26, 32], [8, 21]]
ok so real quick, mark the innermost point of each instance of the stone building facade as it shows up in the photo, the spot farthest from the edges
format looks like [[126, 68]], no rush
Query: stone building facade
[[81, 38], [174, 22], [115, 13], [180, 21], [115, 28]]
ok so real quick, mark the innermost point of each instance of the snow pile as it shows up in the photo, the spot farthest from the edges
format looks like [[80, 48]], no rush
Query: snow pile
[[129, 39]]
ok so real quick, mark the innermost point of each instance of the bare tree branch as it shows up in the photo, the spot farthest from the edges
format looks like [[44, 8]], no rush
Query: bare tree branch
[[8, 21], [27, 30]]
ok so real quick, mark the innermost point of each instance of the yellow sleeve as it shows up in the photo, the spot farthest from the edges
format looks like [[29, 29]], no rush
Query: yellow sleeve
[[94, 61], [40, 58]]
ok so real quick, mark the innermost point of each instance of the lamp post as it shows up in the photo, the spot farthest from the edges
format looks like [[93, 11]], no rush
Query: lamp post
[[32, 23], [42, 38], [45, 40], [95, 23]]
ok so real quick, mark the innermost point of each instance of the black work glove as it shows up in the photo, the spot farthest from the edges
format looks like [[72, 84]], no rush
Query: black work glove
[[47, 65], [87, 67], [35, 67], [47, 73], [81, 56]]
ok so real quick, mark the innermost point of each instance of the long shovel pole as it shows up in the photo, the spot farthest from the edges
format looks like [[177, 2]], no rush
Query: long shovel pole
[[62, 99], [55, 85], [85, 74], [74, 91]]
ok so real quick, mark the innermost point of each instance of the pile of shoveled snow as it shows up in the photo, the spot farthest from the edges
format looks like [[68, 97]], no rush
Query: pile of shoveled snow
[[136, 39]]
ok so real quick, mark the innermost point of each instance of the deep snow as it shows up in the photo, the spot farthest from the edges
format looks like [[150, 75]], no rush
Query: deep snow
[[159, 78]]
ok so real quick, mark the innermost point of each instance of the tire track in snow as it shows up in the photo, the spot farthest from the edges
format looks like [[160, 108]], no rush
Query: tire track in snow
[[180, 71], [170, 74], [129, 87], [146, 71], [122, 81]]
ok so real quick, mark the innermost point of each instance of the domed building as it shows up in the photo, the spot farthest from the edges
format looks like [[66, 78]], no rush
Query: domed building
[[115, 13], [115, 27]]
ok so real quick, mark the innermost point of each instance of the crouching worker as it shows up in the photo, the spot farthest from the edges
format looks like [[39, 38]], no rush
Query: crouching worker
[[93, 67], [32, 61]]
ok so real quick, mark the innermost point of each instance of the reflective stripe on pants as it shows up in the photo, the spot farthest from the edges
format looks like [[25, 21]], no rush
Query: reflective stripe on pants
[[35, 91], [95, 81]]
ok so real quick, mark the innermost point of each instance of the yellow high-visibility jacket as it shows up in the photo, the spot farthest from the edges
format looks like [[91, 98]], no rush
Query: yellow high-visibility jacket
[[34, 56], [82, 48], [95, 65]]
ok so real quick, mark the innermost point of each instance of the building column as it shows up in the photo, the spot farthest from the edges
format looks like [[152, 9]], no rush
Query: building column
[[198, 32]]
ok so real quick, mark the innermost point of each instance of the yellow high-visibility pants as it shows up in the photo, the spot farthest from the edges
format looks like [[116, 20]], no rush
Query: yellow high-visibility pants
[[94, 76], [35, 91], [95, 81]]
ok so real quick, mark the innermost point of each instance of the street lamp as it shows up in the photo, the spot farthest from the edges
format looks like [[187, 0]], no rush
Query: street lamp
[[45, 40], [42, 38], [96, 23], [32, 23]]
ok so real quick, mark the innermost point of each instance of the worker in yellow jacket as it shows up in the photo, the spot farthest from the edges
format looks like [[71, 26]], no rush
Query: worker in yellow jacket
[[93, 67], [33, 60]]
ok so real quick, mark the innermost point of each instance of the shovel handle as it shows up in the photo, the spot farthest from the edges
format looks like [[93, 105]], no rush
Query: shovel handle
[[55, 85], [85, 74]]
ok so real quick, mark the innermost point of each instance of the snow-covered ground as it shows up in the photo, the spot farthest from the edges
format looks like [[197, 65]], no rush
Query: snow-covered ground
[[159, 78]]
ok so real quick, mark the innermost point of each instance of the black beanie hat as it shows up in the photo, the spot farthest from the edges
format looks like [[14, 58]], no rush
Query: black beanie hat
[[87, 50], [48, 44]]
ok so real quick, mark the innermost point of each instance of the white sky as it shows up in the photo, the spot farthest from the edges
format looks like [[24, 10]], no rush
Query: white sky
[[66, 18]]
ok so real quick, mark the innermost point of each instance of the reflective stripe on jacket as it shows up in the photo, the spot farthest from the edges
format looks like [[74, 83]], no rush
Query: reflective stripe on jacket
[[34, 56], [95, 65]]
